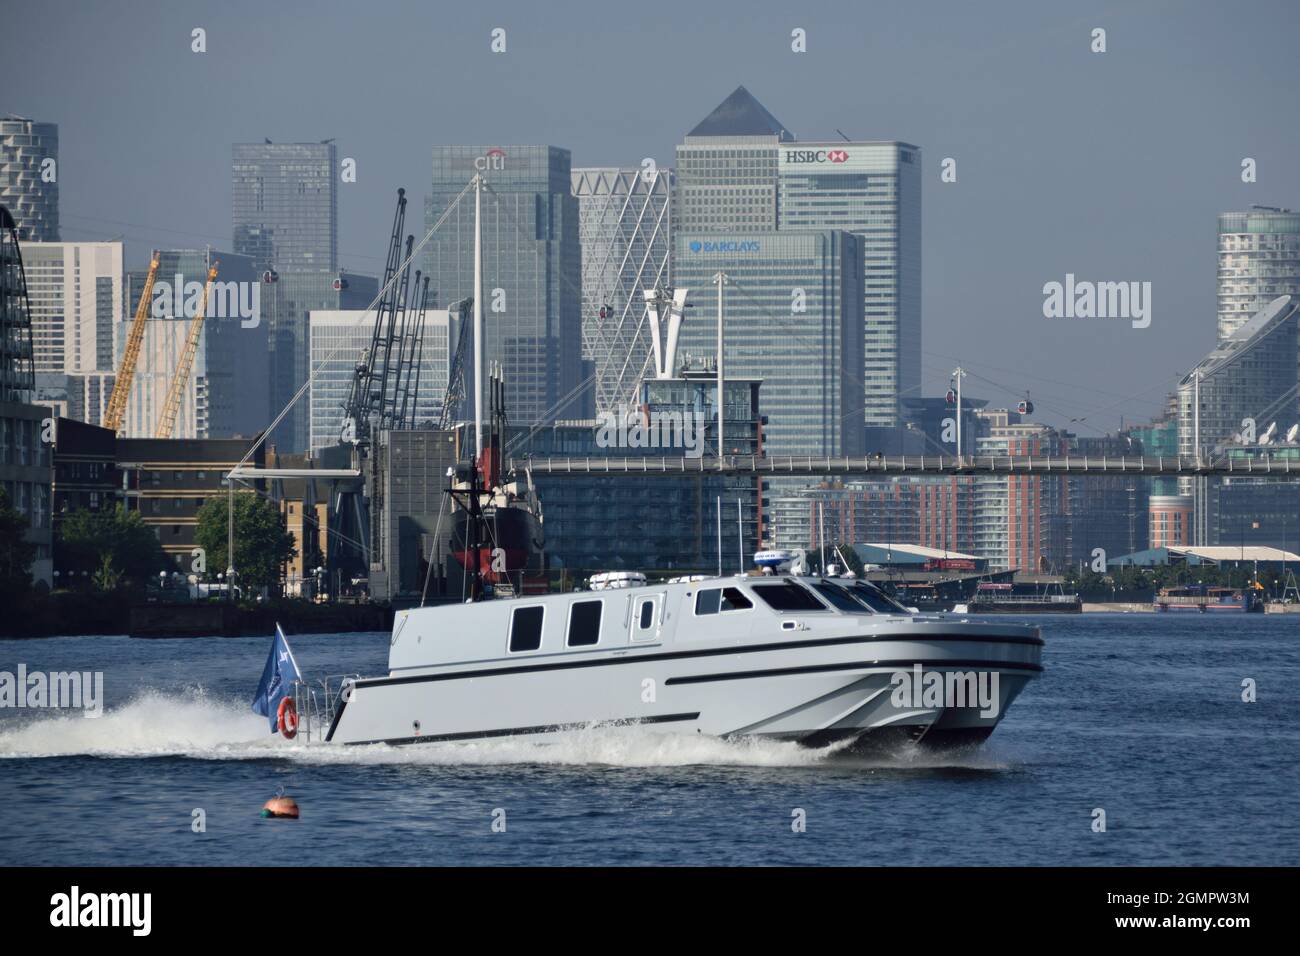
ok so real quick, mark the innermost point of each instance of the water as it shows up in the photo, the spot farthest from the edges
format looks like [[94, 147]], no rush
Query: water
[[1138, 714]]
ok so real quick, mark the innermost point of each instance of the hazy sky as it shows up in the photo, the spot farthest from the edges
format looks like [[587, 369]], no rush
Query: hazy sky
[[1111, 166]]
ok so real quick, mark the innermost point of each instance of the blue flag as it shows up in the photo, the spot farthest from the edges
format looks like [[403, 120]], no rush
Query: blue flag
[[277, 679]]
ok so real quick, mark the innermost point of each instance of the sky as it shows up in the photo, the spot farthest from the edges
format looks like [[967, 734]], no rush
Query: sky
[[1109, 166]]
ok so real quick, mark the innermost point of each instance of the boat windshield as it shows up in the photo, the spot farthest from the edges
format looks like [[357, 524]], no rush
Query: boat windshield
[[842, 599], [876, 599], [787, 596]]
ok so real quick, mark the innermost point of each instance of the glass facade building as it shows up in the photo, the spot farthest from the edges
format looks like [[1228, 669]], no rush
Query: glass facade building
[[1251, 374], [287, 301], [872, 190], [805, 345], [229, 388], [285, 205], [337, 339], [532, 269], [29, 186], [625, 228]]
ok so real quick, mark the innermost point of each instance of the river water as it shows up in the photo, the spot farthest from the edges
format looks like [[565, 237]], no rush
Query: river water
[[1139, 715]]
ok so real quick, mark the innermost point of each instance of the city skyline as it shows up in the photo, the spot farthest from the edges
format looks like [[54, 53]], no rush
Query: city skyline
[[1082, 158]]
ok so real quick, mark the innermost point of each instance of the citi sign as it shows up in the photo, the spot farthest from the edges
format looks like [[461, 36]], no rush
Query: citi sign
[[492, 159], [727, 246], [816, 155]]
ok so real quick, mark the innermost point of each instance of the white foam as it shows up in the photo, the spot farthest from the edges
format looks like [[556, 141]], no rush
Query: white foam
[[156, 724]]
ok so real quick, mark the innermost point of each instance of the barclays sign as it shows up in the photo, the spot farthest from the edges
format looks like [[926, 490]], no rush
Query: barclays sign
[[726, 246]]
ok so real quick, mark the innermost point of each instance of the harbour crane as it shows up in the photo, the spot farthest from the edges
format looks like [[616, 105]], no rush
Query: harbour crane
[[370, 401], [131, 355], [168, 420]]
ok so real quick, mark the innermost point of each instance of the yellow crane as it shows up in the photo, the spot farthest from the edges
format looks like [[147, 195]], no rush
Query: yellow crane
[[131, 356], [183, 368]]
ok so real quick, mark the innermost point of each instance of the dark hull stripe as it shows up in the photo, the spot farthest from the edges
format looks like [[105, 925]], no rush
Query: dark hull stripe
[[521, 731], [825, 668], [681, 655]]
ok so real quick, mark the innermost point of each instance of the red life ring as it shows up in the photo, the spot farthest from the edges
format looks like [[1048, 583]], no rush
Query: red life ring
[[287, 718]]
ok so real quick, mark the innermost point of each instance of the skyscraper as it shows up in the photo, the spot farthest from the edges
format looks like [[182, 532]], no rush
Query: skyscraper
[[625, 228], [288, 300], [337, 339], [741, 171], [1259, 260], [29, 183], [793, 301], [872, 190], [228, 391], [285, 205], [532, 278], [807, 352]]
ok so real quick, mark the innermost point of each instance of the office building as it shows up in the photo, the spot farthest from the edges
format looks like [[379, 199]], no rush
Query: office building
[[532, 278], [288, 299], [285, 205], [29, 180], [337, 341], [740, 171], [228, 388], [625, 229], [809, 360], [1107, 512], [873, 190]]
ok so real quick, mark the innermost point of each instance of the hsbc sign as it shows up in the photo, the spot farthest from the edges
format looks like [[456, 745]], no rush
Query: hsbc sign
[[816, 155]]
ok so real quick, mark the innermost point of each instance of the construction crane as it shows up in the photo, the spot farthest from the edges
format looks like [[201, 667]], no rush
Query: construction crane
[[183, 368], [131, 355]]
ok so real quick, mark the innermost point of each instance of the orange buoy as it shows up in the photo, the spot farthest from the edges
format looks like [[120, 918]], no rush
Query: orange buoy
[[281, 806], [287, 718]]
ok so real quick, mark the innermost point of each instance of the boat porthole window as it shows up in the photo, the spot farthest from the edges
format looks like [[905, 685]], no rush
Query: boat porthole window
[[584, 623], [647, 614], [526, 629]]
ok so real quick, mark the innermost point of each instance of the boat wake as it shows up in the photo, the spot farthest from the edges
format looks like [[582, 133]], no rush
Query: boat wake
[[200, 726]]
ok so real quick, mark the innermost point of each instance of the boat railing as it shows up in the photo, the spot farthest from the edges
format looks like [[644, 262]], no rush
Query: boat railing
[[317, 701]]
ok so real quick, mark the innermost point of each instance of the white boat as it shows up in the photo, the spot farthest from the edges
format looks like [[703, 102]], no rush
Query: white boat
[[813, 660]]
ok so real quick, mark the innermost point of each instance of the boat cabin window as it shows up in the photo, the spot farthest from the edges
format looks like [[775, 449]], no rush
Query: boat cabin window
[[713, 600], [876, 599], [787, 596], [840, 598], [526, 628], [647, 614], [584, 623]]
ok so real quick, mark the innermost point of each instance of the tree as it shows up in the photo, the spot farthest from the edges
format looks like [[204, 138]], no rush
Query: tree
[[16, 552], [262, 539], [112, 546]]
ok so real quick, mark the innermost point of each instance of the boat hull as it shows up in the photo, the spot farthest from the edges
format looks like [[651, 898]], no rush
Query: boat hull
[[816, 691]]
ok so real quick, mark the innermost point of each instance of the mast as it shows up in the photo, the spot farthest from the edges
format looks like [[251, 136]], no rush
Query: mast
[[478, 316]]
